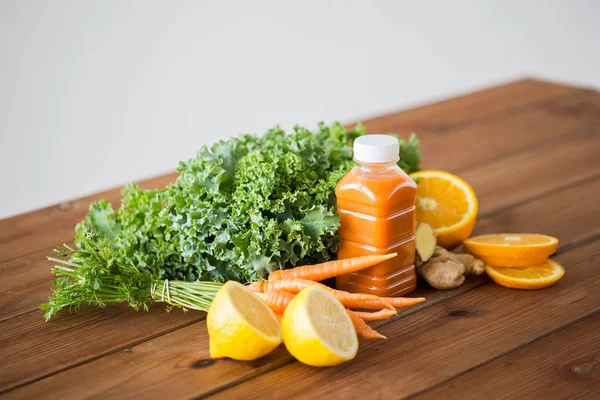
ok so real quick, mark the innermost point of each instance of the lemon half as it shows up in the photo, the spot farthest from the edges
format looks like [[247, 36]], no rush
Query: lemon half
[[317, 330], [240, 325]]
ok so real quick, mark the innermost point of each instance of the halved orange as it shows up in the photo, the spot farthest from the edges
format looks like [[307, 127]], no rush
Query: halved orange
[[512, 249], [448, 204], [536, 277]]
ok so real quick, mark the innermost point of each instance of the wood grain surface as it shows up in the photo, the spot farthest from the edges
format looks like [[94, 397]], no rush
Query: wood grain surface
[[531, 151], [554, 365]]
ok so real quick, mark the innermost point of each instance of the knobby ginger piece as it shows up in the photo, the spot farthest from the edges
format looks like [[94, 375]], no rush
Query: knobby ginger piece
[[473, 266], [443, 274], [446, 270]]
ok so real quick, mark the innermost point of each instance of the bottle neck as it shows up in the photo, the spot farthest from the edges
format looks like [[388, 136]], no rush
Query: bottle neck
[[376, 167]]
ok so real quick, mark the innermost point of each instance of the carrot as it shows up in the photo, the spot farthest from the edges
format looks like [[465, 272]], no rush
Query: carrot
[[377, 315], [397, 302], [276, 299], [330, 269], [349, 300], [289, 285], [362, 329], [400, 302]]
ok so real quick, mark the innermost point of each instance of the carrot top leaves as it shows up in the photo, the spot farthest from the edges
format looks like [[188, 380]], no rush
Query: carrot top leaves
[[95, 276]]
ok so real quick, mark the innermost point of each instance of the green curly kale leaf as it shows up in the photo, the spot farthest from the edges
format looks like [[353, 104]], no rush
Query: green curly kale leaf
[[410, 155], [239, 209]]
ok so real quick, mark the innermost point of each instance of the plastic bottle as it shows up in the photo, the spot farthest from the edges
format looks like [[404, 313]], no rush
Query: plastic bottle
[[376, 204]]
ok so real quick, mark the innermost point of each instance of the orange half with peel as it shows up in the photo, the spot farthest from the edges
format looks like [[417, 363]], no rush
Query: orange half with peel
[[536, 277], [512, 249], [447, 203]]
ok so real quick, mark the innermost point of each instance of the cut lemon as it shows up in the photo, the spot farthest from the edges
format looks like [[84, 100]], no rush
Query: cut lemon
[[240, 325], [448, 204], [512, 249], [317, 330], [536, 277]]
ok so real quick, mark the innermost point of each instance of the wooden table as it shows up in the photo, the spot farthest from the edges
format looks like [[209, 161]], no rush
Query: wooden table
[[531, 151]]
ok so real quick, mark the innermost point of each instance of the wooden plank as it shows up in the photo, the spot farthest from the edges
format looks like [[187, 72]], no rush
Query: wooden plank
[[30, 348], [48, 227], [24, 284], [435, 344], [571, 215], [52, 226], [182, 360], [460, 149], [563, 365], [442, 115], [189, 347], [509, 181]]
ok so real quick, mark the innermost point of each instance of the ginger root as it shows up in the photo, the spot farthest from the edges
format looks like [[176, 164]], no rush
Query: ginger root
[[447, 270], [442, 269], [425, 241]]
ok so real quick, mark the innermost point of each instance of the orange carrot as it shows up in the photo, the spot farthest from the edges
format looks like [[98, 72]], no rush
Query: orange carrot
[[397, 302], [276, 299], [400, 302], [377, 315], [350, 300], [330, 269], [362, 329], [289, 285]]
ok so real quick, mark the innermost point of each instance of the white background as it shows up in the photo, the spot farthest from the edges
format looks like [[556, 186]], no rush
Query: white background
[[94, 94]]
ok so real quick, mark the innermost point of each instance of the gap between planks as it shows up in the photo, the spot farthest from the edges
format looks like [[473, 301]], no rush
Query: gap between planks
[[522, 346], [533, 146], [514, 90]]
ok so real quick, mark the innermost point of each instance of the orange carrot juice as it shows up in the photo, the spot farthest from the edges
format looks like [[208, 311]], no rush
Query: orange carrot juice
[[376, 205]]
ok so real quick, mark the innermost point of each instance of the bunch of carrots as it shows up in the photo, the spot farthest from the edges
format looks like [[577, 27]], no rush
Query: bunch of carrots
[[283, 285]]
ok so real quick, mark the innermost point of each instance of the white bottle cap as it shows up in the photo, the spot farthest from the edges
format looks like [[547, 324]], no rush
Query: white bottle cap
[[376, 149]]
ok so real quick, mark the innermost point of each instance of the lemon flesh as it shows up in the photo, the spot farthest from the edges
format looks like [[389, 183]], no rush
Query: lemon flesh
[[317, 329], [240, 325]]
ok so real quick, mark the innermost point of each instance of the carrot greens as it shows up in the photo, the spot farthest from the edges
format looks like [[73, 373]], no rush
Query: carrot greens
[[94, 276]]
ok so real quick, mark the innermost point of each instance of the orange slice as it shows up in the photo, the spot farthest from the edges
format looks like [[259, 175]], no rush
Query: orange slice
[[536, 277], [448, 204], [512, 249]]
